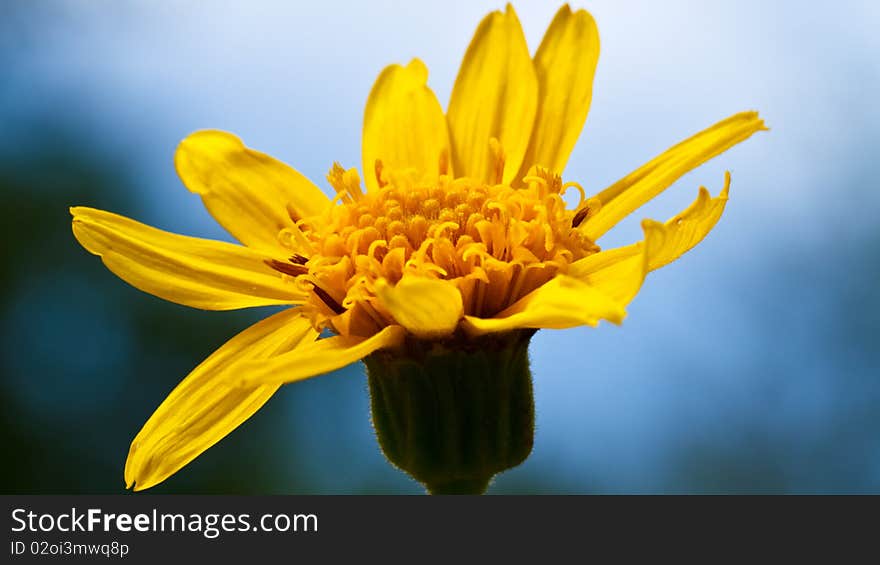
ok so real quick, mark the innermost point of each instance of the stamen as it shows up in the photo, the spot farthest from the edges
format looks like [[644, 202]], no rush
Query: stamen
[[294, 238], [498, 158], [580, 189], [443, 167], [534, 175], [347, 183], [352, 181], [590, 209], [378, 170], [328, 300], [287, 268], [334, 177]]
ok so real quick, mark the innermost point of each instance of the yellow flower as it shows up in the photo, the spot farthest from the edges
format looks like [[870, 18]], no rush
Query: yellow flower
[[461, 231]]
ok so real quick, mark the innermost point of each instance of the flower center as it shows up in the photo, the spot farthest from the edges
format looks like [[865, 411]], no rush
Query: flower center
[[495, 242]]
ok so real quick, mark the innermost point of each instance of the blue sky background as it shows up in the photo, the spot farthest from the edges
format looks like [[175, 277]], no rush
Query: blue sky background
[[751, 365]]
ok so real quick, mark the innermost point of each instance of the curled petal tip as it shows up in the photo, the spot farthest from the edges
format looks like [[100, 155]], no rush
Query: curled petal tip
[[419, 68], [648, 225], [726, 190]]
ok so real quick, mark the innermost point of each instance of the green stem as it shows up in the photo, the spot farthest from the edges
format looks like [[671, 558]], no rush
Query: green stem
[[476, 486]]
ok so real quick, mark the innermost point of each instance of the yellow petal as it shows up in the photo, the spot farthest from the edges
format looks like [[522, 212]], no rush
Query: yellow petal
[[687, 229], [565, 64], [626, 195], [404, 126], [208, 404], [495, 96], [320, 357], [564, 302], [249, 193], [428, 308], [212, 275], [619, 273]]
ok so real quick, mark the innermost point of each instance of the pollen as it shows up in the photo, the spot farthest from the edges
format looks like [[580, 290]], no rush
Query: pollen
[[495, 242]]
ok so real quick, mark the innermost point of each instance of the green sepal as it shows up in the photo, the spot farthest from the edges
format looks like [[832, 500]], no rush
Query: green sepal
[[453, 414]]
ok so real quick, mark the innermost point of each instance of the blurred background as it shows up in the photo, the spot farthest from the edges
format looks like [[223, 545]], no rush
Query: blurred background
[[750, 366]]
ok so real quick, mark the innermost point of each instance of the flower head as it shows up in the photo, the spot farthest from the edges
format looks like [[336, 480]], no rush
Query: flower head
[[459, 229]]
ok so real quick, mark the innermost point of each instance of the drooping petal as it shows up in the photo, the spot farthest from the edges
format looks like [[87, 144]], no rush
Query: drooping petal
[[564, 302], [404, 126], [209, 403], [495, 96], [212, 275], [249, 193], [320, 357], [687, 229], [619, 273], [427, 308], [565, 64], [643, 184]]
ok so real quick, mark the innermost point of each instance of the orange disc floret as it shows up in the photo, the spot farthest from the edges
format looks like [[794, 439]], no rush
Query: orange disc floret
[[497, 243]]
